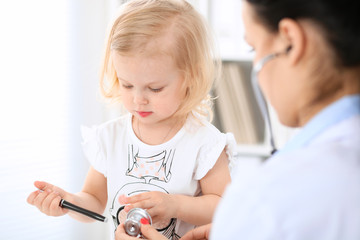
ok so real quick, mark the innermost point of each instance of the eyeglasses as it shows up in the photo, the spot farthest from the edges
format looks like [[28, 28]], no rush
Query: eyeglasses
[[260, 97]]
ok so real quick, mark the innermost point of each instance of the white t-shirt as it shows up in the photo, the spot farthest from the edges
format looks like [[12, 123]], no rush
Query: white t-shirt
[[174, 167]]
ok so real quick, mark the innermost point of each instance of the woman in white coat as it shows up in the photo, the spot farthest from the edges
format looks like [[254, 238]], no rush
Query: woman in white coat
[[307, 63]]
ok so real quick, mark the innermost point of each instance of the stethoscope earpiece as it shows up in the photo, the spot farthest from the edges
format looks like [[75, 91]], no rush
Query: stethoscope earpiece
[[258, 93], [288, 49]]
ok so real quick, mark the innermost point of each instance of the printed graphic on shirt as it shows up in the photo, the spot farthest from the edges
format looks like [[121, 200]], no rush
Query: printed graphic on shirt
[[148, 170], [156, 167]]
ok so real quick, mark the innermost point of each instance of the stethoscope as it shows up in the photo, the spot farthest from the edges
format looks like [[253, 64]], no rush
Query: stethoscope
[[260, 97]]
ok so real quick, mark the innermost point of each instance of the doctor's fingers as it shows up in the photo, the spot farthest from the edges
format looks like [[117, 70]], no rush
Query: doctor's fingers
[[199, 233], [148, 232], [120, 234], [151, 233]]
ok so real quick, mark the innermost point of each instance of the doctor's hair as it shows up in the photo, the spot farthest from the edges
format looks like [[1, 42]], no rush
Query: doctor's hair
[[339, 20], [140, 28]]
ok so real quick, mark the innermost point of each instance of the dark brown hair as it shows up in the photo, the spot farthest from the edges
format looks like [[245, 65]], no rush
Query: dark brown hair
[[339, 20]]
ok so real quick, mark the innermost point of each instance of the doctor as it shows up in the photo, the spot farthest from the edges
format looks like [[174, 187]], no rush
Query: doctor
[[308, 66]]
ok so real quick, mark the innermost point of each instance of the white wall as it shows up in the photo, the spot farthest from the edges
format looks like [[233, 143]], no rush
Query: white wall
[[50, 54]]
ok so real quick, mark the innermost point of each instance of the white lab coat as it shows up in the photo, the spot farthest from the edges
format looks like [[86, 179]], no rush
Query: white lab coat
[[310, 193]]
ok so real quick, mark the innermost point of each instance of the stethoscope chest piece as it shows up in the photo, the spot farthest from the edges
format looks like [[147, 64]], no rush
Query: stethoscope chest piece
[[134, 219]]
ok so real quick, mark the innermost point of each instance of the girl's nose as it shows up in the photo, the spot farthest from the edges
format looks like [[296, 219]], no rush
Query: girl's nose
[[140, 98]]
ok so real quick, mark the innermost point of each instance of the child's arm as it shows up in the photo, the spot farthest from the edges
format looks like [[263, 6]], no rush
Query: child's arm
[[194, 210], [200, 210], [93, 197]]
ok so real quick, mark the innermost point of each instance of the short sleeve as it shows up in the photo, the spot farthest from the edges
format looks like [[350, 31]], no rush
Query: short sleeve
[[210, 152], [231, 150], [92, 148]]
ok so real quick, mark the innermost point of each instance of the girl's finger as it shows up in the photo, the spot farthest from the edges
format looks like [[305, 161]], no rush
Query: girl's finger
[[47, 186], [43, 185], [48, 201], [145, 204], [54, 207], [123, 199], [137, 198], [32, 197], [39, 199]]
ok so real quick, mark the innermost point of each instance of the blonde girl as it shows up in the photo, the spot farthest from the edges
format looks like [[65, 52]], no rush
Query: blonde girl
[[163, 155]]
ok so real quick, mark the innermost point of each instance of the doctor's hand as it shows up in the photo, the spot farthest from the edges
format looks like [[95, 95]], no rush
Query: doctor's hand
[[147, 231], [47, 199], [199, 233], [160, 206]]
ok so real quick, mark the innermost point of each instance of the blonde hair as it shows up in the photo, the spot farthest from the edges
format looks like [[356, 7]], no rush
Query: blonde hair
[[139, 22]]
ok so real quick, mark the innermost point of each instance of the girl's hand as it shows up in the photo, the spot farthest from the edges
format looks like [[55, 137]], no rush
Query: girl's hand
[[47, 199], [160, 206], [147, 231], [199, 233]]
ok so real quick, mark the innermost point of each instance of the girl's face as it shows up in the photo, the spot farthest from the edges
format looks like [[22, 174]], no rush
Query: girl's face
[[150, 86]]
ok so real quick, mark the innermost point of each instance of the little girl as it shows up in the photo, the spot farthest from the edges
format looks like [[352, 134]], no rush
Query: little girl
[[163, 156]]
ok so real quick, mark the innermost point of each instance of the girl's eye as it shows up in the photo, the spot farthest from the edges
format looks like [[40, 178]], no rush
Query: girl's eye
[[127, 86], [156, 89]]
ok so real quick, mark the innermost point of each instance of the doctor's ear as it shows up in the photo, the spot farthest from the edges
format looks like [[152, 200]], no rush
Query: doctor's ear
[[294, 37]]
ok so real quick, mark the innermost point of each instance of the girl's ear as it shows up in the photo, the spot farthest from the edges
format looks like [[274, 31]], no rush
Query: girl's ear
[[294, 36]]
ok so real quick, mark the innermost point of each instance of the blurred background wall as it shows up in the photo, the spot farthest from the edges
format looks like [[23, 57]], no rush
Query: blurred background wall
[[50, 53]]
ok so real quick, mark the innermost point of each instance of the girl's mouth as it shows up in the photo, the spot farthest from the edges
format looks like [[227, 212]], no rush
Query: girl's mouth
[[144, 114]]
